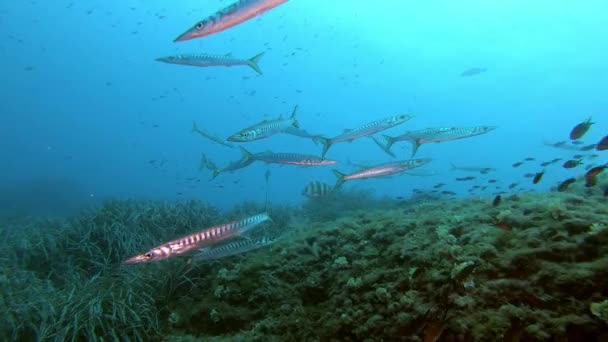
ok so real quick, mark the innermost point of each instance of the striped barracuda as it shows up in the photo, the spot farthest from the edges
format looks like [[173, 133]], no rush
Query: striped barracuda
[[382, 170], [231, 248], [437, 135], [210, 136], [208, 60], [228, 17], [363, 131], [207, 237], [265, 128], [287, 158]]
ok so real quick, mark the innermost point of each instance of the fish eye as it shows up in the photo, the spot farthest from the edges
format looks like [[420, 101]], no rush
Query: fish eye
[[148, 255], [200, 25]]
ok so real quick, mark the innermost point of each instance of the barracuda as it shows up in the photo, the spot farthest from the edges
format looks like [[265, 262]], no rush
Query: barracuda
[[363, 131], [203, 238], [265, 128], [208, 60], [232, 248], [228, 17], [287, 158], [437, 135], [381, 170]]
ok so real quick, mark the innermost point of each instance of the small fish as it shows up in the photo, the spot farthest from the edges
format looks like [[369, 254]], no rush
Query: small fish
[[529, 175], [447, 192], [588, 147], [496, 201], [563, 186], [569, 164], [317, 189], [513, 185], [579, 130], [203, 238], [464, 179], [438, 185], [578, 156], [363, 131], [590, 176], [577, 142], [538, 177], [382, 170], [603, 144], [265, 128], [518, 164], [492, 180], [529, 159], [437, 135], [209, 136], [544, 164], [208, 60], [472, 72], [556, 160], [230, 16]]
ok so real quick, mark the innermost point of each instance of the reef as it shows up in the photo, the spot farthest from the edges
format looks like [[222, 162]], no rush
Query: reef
[[533, 268]]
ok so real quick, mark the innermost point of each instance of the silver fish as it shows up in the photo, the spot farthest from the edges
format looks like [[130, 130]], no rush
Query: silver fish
[[203, 238], [234, 165], [210, 136], [437, 135], [228, 17], [231, 248], [207, 60], [287, 158], [382, 170], [363, 131], [265, 128]]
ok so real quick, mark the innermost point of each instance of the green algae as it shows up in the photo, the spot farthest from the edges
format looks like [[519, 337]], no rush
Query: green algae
[[440, 269]]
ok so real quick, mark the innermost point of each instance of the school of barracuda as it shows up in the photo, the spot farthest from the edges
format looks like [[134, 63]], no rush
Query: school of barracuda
[[234, 237]]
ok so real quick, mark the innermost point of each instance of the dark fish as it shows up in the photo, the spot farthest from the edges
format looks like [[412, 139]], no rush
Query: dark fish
[[578, 156], [530, 159], [571, 164], [464, 179], [447, 192], [603, 144], [563, 186], [492, 181], [438, 185], [530, 175], [538, 177], [590, 176], [513, 185], [316, 189], [473, 71], [496, 201], [577, 142], [518, 164], [579, 130], [556, 160], [588, 147], [543, 164]]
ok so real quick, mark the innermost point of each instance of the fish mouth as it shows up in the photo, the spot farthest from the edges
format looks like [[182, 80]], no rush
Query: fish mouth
[[190, 34], [136, 259]]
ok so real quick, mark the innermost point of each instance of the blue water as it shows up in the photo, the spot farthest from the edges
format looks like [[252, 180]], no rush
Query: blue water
[[84, 102]]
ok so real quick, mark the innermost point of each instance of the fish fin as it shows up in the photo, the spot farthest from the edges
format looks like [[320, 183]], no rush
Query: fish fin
[[216, 172], [382, 146], [294, 120], [246, 154], [326, 144], [253, 62], [415, 146], [389, 141], [340, 179]]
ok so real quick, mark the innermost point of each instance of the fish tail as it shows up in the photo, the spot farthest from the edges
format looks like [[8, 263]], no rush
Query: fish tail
[[216, 172], [253, 62], [389, 141], [340, 179], [294, 120], [203, 163], [326, 143], [246, 154], [383, 147]]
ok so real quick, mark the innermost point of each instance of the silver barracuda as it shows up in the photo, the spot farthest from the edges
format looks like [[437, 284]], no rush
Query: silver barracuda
[[231, 248], [210, 136], [207, 237], [209, 60], [382, 170], [265, 128], [437, 135], [287, 158], [245, 161], [363, 131], [228, 17]]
